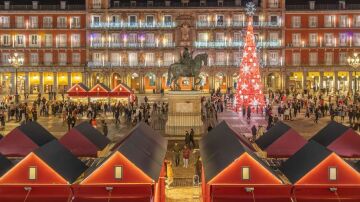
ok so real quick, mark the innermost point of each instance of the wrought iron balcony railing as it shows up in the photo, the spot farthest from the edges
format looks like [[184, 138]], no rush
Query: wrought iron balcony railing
[[235, 44], [132, 45], [126, 25], [232, 24]]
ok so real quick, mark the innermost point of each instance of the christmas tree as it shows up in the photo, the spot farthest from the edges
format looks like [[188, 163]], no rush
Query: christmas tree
[[249, 89]]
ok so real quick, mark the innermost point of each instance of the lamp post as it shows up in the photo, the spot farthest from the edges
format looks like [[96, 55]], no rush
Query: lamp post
[[16, 61], [354, 61]]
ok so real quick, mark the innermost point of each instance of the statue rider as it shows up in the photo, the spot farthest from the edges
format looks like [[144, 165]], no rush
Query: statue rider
[[186, 58]]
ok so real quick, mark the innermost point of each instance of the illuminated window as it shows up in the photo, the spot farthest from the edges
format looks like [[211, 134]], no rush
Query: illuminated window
[[32, 173], [118, 172], [332, 173], [245, 173]]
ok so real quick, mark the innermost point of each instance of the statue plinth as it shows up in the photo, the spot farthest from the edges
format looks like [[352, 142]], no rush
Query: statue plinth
[[184, 113]]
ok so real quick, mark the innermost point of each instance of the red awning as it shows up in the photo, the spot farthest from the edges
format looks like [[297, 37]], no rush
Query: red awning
[[323, 193], [78, 90], [99, 90]]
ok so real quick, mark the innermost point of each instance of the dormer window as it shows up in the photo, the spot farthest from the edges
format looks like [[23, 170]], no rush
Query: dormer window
[[185, 2], [63, 5], [116, 3], [220, 3], [312, 5], [167, 3], [202, 2], [133, 3], [237, 2], [7, 5], [150, 3], [35, 5]]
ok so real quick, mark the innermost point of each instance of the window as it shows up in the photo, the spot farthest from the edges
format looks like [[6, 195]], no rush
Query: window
[[4, 21], [19, 40], [329, 58], [133, 59], [132, 20], [296, 59], [167, 20], [97, 58], [95, 20], [115, 59], [329, 21], [274, 20], [343, 19], [313, 21], [32, 173], [342, 58], [34, 59], [313, 39], [168, 39], [296, 39], [245, 173], [115, 19], [220, 36], [238, 20], [61, 22], [115, 38], [203, 37], [61, 40], [75, 22], [342, 39], [329, 37], [48, 40], [75, 40], [220, 58], [34, 40], [33, 21], [132, 38], [62, 5], [274, 36], [219, 20], [47, 22], [237, 36], [168, 58], [332, 173], [62, 59], [273, 3], [296, 21], [313, 58], [273, 58], [202, 2], [150, 38], [149, 59], [48, 58], [357, 39], [5, 58], [203, 19], [75, 58], [19, 21], [5, 40], [96, 3], [357, 20], [150, 21]]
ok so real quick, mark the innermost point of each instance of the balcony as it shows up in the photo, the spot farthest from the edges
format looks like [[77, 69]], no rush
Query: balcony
[[323, 7], [122, 25], [235, 44], [43, 7], [132, 45], [235, 24]]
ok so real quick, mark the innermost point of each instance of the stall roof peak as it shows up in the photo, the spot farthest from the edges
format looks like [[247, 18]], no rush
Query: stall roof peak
[[92, 134], [36, 133], [329, 133]]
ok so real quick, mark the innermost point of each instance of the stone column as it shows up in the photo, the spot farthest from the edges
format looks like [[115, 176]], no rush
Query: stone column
[[350, 81], [304, 80], [69, 80], [41, 86], [335, 80], [12, 81], [84, 78], [321, 86], [26, 83], [141, 83], [55, 83]]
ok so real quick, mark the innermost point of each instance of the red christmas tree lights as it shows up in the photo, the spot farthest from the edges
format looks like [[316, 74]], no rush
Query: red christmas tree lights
[[249, 87]]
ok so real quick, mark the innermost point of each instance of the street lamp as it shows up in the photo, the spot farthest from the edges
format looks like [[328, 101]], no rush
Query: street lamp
[[16, 61]]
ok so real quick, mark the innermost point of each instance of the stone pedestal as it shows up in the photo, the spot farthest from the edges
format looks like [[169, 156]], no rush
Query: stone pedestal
[[184, 113]]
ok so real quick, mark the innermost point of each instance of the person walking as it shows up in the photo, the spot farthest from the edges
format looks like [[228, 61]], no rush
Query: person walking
[[192, 141], [253, 132], [248, 113], [169, 174], [176, 153], [105, 128], [186, 156], [187, 138]]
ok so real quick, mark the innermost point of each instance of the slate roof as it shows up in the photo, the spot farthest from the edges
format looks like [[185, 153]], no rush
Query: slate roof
[[143, 147], [177, 3], [219, 148], [329, 133], [5, 165], [303, 161], [36, 133], [61, 160], [271, 135], [43, 2], [92, 134]]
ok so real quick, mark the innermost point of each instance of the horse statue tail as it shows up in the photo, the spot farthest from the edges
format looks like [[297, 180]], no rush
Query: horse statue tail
[[169, 76]]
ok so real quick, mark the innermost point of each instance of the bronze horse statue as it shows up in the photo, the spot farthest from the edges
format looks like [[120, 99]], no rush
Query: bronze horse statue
[[178, 70]]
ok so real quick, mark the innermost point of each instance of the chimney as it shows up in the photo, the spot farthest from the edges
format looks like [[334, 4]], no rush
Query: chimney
[[312, 4], [35, 5], [62, 5]]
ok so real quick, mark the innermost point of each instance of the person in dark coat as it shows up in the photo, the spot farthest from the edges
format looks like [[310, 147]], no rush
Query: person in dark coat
[[192, 141], [253, 132], [105, 129], [187, 138]]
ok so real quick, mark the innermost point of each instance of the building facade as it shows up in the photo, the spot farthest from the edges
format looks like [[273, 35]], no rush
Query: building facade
[[302, 46]]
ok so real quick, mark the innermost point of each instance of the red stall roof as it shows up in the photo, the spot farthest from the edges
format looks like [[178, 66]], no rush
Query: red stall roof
[[84, 140], [339, 138], [310, 165], [121, 90], [24, 139], [99, 90], [78, 89], [281, 141], [142, 151], [222, 152]]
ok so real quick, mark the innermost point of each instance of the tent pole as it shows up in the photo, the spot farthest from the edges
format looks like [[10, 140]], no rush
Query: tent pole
[[109, 189], [28, 189]]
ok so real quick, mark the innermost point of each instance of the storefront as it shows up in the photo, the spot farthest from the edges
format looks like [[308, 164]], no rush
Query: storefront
[[313, 81], [34, 79], [295, 81]]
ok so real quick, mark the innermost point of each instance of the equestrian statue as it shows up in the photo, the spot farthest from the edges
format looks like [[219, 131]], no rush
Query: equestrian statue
[[186, 67]]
